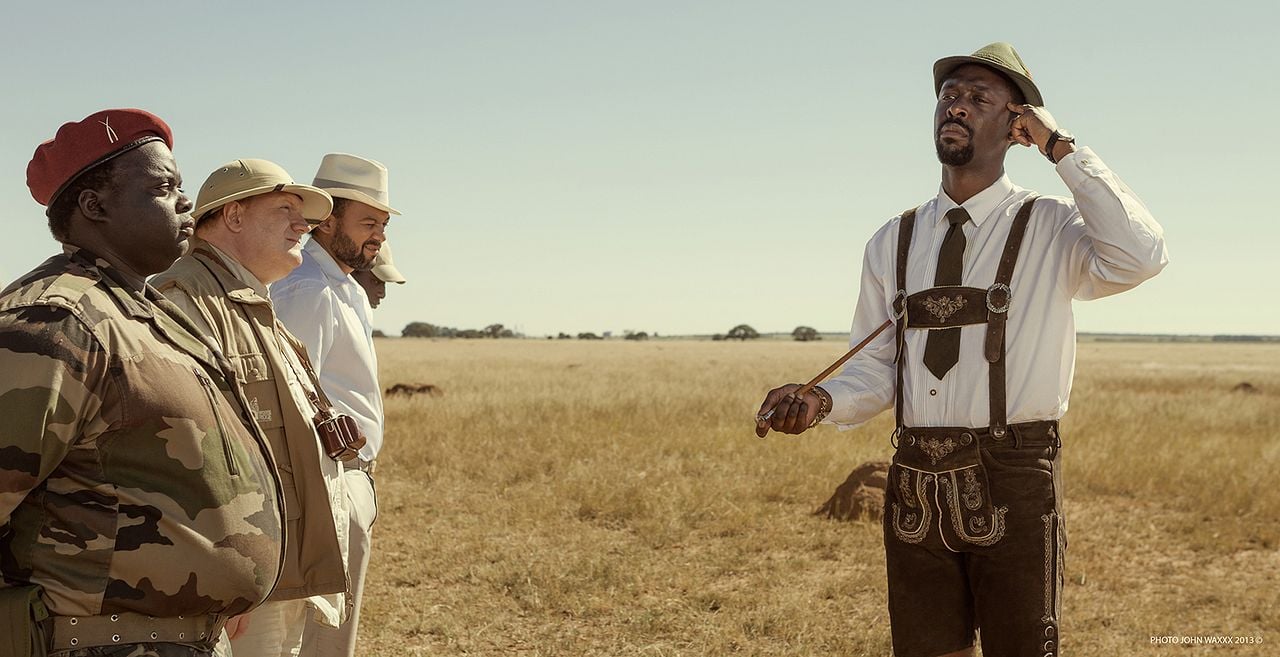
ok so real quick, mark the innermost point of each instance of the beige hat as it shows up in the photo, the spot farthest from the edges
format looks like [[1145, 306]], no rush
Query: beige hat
[[385, 268], [241, 179], [355, 178]]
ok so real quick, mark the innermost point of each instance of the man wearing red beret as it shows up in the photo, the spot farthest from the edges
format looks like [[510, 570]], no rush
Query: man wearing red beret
[[139, 508]]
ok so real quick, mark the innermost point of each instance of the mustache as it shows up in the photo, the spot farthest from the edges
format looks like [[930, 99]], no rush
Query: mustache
[[956, 121]]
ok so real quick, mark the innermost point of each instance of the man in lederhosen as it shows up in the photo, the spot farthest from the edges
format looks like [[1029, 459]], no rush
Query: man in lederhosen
[[978, 282]]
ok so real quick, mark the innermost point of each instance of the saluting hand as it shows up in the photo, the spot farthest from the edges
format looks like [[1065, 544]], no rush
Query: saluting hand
[[791, 414], [1033, 126]]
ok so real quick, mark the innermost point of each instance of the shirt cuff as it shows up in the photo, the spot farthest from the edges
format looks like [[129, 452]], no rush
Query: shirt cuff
[[1081, 165], [843, 407]]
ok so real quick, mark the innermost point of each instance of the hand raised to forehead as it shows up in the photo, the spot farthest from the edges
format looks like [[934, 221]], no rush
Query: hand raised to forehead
[[1032, 126]]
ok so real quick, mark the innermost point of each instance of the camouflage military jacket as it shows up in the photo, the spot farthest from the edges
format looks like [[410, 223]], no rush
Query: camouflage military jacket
[[128, 482]]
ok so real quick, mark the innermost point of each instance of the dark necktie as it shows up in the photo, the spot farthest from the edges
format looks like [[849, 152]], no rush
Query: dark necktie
[[942, 348]]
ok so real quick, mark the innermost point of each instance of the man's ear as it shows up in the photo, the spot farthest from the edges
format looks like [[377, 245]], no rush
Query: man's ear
[[92, 206], [327, 226], [233, 216]]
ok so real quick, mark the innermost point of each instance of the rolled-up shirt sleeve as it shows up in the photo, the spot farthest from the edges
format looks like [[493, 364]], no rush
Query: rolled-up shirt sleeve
[[864, 388], [1112, 241]]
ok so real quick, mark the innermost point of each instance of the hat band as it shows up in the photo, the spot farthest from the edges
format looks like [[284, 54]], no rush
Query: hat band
[[377, 194]]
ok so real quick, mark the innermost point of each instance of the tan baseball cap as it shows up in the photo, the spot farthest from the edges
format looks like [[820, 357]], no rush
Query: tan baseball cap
[[242, 179], [384, 268]]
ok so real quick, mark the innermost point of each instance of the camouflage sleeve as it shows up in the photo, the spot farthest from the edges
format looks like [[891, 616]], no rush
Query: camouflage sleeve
[[53, 378]]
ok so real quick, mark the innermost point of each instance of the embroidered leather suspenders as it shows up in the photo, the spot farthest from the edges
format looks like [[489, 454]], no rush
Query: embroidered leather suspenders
[[953, 305]]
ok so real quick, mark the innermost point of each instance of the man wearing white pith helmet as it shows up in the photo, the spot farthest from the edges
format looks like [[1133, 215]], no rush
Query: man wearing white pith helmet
[[328, 310]]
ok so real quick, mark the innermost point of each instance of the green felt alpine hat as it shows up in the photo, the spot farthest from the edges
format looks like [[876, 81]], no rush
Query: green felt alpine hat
[[999, 56]]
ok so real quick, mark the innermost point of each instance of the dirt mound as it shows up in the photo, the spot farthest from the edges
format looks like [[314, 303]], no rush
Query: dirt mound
[[1245, 387], [861, 496]]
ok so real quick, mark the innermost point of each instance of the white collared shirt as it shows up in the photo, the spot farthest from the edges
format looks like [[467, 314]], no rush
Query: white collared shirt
[[329, 312], [1103, 242]]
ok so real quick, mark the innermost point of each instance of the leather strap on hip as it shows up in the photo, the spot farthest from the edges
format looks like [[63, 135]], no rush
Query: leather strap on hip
[[74, 632]]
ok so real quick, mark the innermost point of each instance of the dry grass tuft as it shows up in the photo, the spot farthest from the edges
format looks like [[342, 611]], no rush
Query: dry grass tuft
[[609, 498]]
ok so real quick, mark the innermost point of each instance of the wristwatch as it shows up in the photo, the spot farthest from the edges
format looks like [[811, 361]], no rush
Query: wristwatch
[[1057, 136]]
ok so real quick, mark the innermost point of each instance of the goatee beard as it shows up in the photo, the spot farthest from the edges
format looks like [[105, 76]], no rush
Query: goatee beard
[[350, 254], [954, 156]]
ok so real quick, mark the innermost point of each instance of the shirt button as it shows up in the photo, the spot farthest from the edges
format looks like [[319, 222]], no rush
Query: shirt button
[[933, 393]]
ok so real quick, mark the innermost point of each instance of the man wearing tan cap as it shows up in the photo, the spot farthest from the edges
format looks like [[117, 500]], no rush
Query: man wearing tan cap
[[139, 503], [979, 281], [375, 279], [329, 312], [251, 217]]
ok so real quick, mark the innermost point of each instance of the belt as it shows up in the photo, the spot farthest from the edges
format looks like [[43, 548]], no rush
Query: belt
[[71, 632], [1038, 432], [360, 464]]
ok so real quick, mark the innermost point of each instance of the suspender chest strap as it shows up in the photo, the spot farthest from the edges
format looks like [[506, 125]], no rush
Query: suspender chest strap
[[905, 227], [953, 305]]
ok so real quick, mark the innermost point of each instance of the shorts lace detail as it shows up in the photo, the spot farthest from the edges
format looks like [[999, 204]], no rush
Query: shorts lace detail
[[972, 494]]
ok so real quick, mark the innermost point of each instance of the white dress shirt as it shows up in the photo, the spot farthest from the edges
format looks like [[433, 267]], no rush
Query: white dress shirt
[[1101, 243], [329, 312]]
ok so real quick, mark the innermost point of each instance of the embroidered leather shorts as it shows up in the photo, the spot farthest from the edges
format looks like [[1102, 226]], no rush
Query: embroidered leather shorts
[[974, 541]]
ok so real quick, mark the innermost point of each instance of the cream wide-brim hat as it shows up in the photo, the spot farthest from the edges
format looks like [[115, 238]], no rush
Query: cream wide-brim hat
[[355, 178], [241, 179]]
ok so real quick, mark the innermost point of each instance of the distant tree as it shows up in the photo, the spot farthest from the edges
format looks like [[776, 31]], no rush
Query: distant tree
[[589, 336], [718, 337], [471, 334], [493, 330], [419, 330], [564, 336], [636, 336], [742, 332], [378, 333], [506, 333], [805, 334]]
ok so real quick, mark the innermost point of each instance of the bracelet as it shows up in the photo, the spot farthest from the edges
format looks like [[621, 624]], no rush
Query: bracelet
[[824, 406]]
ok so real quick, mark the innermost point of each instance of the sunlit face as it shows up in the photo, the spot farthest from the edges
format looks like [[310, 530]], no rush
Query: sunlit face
[[358, 234], [971, 118], [149, 214], [270, 241], [375, 288]]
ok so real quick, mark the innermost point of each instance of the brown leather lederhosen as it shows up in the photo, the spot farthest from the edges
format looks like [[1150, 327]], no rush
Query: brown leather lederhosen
[[951, 455]]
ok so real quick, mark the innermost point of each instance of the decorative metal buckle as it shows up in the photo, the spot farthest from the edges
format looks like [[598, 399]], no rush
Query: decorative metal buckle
[[1008, 298], [899, 305]]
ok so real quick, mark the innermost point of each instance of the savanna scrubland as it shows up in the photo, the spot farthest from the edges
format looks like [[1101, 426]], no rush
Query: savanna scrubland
[[610, 498]]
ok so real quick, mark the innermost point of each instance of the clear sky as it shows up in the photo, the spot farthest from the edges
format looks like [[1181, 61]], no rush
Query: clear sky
[[672, 166]]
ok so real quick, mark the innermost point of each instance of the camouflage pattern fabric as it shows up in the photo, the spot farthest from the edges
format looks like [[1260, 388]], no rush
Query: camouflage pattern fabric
[[141, 650], [128, 483]]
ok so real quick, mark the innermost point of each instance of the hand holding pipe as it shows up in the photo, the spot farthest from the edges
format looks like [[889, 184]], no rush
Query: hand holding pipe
[[808, 387]]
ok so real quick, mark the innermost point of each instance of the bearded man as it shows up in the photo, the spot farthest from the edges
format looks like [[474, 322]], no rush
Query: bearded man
[[979, 281], [329, 312]]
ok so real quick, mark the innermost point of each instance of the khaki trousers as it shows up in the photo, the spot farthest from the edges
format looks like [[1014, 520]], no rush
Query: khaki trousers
[[321, 641], [275, 630]]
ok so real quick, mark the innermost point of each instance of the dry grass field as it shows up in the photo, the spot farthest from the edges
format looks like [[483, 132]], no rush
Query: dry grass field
[[610, 498]]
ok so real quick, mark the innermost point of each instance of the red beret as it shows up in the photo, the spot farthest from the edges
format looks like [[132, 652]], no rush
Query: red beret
[[83, 145]]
